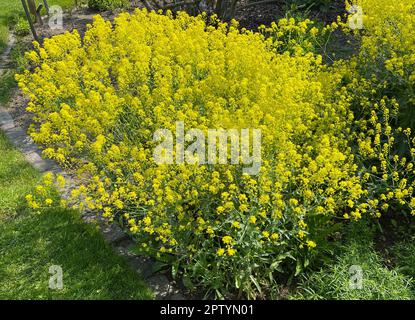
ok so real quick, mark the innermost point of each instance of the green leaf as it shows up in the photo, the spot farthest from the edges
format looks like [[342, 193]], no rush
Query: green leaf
[[187, 282], [237, 282], [158, 266], [255, 282], [174, 270], [298, 268]]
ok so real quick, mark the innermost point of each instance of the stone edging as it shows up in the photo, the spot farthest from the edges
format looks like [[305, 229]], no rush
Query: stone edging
[[163, 288]]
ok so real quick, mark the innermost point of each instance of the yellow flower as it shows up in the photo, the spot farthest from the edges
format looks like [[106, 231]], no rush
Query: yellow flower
[[311, 244], [220, 209], [48, 179], [210, 231], [227, 240], [243, 207], [275, 236], [264, 199], [34, 205], [236, 224], [147, 221], [40, 190], [319, 209], [60, 180], [134, 229], [293, 202], [302, 224], [220, 252], [119, 204]]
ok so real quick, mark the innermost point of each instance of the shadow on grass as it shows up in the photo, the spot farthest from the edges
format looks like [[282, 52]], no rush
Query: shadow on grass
[[34, 241]]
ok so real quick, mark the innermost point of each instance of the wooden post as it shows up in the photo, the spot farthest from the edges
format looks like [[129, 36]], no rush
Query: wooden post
[[29, 19], [46, 6], [35, 10]]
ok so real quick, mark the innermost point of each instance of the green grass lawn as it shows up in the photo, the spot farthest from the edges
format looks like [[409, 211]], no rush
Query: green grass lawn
[[31, 242], [10, 8]]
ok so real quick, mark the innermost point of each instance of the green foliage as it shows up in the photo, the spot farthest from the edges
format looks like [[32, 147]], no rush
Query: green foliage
[[404, 256], [107, 4], [387, 55], [311, 3], [379, 282], [22, 27], [255, 266]]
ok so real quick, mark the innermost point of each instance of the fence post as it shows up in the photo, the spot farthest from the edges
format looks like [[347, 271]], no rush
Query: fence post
[[29, 19]]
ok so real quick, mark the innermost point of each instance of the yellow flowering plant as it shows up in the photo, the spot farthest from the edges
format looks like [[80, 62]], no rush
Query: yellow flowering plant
[[387, 54], [45, 194], [382, 98], [97, 102]]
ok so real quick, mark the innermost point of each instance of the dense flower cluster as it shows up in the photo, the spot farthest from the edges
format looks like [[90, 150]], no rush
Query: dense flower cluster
[[98, 100], [107, 4], [387, 55], [381, 82]]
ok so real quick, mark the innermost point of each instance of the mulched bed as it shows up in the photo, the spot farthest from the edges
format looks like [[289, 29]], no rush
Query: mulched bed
[[252, 16]]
